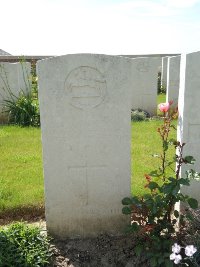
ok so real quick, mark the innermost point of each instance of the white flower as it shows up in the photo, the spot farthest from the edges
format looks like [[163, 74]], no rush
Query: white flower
[[177, 259], [172, 256], [176, 248], [190, 250]]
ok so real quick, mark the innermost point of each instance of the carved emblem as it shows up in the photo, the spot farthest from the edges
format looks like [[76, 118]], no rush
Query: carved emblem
[[85, 87]]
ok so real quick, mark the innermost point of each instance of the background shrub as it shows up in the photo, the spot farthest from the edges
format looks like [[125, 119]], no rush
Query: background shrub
[[22, 109], [139, 115]]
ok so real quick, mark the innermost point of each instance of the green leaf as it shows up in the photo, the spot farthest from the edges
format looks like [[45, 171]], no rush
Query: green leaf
[[175, 190], [189, 160], [126, 210], [134, 227], [165, 145], [184, 181], [126, 201], [193, 203], [172, 179], [135, 200], [138, 250], [176, 213], [160, 260], [167, 188], [172, 141], [153, 185], [154, 209], [153, 262], [168, 263]]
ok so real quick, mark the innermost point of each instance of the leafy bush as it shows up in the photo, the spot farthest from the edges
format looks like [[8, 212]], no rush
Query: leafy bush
[[139, 115], [23, 246], [23, 110], [154, 217]]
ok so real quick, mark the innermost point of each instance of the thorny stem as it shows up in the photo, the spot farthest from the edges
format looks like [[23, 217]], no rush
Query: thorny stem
[[180, 160], [164, 133], [179, 164]]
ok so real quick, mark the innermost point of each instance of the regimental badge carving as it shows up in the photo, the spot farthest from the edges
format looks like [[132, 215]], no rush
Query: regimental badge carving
[[143, 66], [85, 87]]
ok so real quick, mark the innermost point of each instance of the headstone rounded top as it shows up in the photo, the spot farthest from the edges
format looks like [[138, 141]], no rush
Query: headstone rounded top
[[143, 66], [85, 87]]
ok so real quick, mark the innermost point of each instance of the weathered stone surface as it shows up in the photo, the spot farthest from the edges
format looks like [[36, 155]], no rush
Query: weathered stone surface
[[189, 115], [14, 77], [173, 79], [144, 88], [85, 121], [164, 71]]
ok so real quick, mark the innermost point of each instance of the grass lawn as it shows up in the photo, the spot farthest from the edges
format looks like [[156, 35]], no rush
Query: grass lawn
[[146, 142], [21, 174], [161, 98]]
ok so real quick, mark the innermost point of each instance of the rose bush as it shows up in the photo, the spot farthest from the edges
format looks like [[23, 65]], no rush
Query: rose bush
[[154, 217]]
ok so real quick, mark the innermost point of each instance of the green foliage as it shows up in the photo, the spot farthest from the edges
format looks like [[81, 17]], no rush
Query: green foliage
[[161, 89], [24, 246], [22, 109], [153, 215], [139, 115]]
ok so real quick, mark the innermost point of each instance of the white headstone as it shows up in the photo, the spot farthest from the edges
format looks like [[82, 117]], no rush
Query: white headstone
[[173, 79], [164, 72], [14, 77], [85, 121], [144, 88], [189, 116]]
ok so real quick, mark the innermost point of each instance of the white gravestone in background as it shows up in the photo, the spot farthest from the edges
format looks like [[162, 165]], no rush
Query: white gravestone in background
[[173, 79], [13, 77], [189, 116], [85, 121], [164, 71], [144, 88]]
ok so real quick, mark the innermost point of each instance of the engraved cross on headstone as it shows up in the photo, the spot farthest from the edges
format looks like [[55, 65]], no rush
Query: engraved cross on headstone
[[81, 172]]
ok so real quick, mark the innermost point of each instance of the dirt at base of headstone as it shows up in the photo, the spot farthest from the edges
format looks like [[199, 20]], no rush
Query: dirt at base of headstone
[[102, 251]]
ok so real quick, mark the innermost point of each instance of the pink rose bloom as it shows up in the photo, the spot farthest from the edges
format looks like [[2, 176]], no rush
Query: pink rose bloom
[[164, 107]]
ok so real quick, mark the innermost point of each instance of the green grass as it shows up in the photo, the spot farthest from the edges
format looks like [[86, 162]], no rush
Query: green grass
[[161, 98], [21, 174], [21, 178], [146, 142]]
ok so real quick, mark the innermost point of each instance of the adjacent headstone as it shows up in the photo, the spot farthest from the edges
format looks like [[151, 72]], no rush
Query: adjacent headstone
[[164, 72], [144, 88], [14, 77], [85, 121], [173, 79], [189, 116]]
